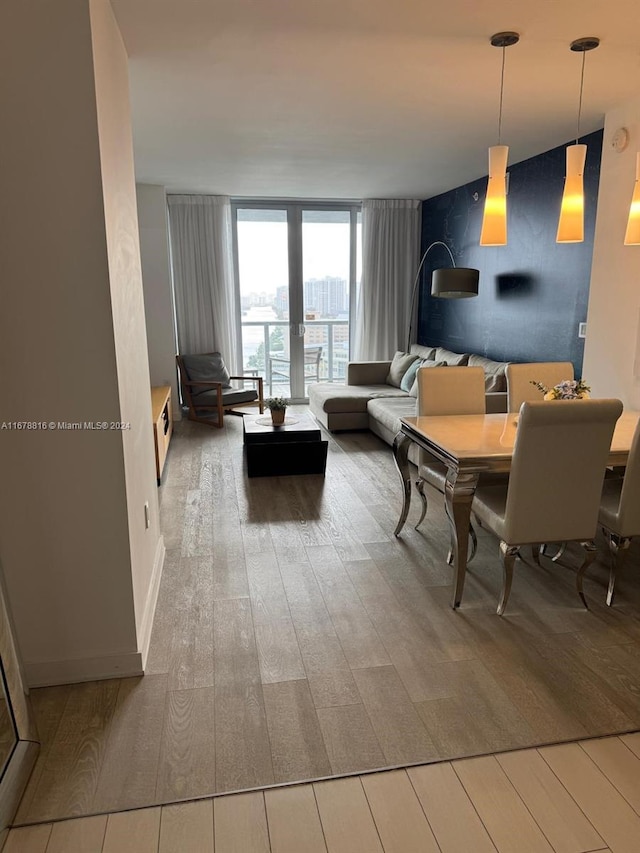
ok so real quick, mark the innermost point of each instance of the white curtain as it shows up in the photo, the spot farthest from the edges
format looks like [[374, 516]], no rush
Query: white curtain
[[207, 304], [390, 247]]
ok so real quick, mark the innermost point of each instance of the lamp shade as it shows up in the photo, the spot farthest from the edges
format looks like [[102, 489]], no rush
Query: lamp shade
[[632, 236], [455, 283], [494, 221], [571, 224]]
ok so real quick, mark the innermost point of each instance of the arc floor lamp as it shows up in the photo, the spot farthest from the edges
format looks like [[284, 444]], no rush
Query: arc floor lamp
[[446, 283]]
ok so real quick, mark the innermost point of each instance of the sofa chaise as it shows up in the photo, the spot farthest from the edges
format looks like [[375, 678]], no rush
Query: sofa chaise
[[378, 393]]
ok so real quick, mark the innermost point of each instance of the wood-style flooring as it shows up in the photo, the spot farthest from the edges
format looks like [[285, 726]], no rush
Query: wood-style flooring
[[296, 638], [571, 798]]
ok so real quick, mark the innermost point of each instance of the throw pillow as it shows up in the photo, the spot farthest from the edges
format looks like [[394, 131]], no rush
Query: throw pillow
[[453, 359], [399, 366], [428, 363], [208, 367], [410, 376], [494, 372], [424, 352]]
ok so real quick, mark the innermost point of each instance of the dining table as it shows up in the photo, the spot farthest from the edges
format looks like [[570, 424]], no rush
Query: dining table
[[471, 445]]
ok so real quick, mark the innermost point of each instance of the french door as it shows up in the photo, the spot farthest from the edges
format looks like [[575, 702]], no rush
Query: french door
[[297, 271]]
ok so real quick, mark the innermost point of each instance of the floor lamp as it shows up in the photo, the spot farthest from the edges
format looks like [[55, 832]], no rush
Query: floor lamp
[[448, 283]]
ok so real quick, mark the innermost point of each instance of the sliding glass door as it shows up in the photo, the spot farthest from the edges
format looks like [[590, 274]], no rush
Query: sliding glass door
[[298, 269]]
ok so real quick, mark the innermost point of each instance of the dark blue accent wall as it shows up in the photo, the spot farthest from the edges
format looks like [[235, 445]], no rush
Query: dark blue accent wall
[[533, 292]]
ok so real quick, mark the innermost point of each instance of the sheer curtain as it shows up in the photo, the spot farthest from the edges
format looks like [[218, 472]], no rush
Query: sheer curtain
[[390, 247], [207, 304]]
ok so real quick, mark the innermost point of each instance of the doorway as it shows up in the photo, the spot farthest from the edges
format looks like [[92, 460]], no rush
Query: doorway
[[297, 273]]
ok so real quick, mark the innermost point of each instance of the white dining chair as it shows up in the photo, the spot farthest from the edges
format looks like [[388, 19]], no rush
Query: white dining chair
[[555, 484], [446, 391], [620, 512], [520, 377]]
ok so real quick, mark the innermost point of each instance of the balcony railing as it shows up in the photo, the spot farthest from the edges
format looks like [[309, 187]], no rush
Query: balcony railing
[[261, 340]]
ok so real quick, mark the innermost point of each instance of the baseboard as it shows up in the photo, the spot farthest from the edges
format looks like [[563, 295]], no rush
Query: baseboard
[[152, 599], [48, 673], [125, 665]]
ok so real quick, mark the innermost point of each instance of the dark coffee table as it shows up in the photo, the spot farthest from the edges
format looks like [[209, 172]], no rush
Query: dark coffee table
[[296, 447]]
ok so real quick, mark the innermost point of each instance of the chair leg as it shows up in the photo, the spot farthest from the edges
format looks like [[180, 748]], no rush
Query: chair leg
[[556, 557], [618, 547], [423, 498], [220, 407], [536, 550], [589, 556], [508, 554]]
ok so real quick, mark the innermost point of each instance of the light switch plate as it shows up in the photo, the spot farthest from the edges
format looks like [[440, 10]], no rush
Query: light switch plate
[[582, 330]]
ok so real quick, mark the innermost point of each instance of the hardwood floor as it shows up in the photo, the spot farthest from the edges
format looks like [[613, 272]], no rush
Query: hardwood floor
[[572, 798], [296, 638]]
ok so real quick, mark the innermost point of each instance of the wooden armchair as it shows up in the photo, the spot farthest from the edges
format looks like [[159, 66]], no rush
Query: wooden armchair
[[207, 390]]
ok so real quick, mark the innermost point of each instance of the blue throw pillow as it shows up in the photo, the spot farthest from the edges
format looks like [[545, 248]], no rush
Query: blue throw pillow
[[409, 378]]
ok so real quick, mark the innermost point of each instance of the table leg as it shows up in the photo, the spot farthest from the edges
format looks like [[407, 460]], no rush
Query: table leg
[[458, 494], [401, 445]]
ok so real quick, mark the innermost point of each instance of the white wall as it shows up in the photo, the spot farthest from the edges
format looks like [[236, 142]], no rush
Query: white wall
[[127, 306], [156, 280], [613, 320], [78, 562]]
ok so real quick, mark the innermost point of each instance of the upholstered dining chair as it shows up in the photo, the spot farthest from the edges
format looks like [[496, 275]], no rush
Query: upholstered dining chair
[[207, 390], [620, 512], [555, 483], [446, 391], [520, 377]]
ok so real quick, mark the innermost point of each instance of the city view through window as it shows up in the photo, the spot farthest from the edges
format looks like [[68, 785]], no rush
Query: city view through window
[[313, 299]]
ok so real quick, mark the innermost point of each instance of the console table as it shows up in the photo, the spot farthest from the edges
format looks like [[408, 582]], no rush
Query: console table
[[162, 424]]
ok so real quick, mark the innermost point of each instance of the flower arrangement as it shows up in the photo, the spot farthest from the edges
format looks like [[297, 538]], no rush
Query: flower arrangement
[[568, 389], [276, 404]]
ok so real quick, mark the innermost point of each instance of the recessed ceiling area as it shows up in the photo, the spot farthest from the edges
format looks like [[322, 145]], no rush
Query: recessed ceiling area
[[361, 98]]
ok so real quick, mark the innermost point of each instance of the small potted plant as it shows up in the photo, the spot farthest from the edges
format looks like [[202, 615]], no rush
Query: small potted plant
[[278, 407]]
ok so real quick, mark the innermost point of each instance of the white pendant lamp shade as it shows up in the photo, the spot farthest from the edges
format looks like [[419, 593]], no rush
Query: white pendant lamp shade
[[571, 224], [632, 236], [494, 221]]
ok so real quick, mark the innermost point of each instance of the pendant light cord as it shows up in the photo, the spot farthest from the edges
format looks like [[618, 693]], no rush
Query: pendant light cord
[[584, 56], [501, 94]]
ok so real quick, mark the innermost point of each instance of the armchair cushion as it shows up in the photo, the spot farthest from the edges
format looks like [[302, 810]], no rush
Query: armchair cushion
[[208, 367], [230, 397]]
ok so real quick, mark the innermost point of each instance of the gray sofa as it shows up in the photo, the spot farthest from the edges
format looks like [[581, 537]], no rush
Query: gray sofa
[[374, 399]]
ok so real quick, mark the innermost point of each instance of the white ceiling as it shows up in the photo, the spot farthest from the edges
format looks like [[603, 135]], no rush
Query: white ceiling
[[361, 98]]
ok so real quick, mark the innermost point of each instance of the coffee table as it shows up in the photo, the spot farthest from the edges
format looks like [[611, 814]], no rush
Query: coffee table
[[296, 447]]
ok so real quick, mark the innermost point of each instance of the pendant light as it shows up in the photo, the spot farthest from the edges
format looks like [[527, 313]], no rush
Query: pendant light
[[571, 224], [632, 236], [494, 220]]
